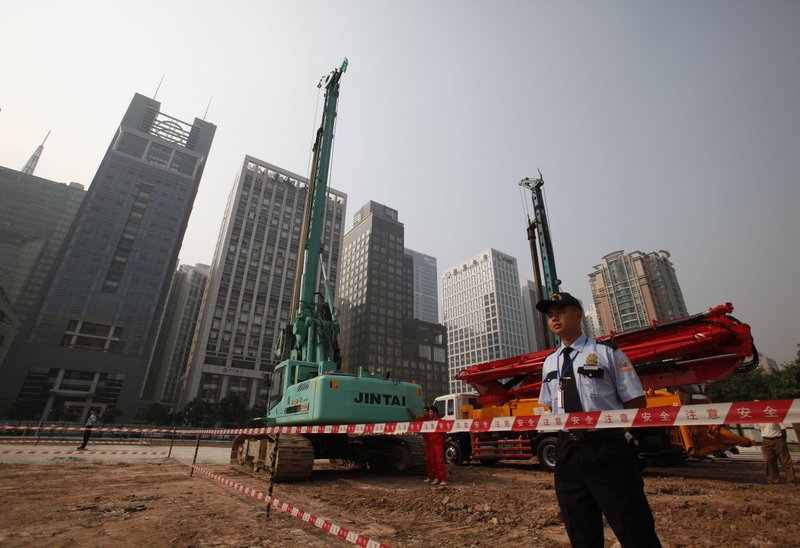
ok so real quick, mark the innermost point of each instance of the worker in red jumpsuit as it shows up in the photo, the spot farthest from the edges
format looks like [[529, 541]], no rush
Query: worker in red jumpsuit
[[434, 448]]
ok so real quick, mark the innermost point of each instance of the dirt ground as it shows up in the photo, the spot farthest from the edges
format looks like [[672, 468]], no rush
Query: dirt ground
[[72, 502]]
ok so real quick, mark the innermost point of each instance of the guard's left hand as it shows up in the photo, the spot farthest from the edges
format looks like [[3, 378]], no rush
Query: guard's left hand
[[630, 438]]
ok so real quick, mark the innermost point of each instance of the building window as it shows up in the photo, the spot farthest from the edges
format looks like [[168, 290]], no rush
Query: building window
[[92, 336]]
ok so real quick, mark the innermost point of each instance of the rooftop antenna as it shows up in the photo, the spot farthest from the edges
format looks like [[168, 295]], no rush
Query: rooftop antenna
[[159, 86], [207, 107], [30, 165]]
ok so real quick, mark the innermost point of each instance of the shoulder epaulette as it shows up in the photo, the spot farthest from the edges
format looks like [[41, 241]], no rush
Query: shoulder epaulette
[[609, 343]]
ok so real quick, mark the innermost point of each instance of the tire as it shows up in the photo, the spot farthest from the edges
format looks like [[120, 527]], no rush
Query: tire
[[546, 453], [453, 453], [671, 459], [400, 458]]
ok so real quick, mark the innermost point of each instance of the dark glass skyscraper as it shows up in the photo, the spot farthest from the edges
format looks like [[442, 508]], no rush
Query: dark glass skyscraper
[[35, 216], [91, 341], [380, 327]]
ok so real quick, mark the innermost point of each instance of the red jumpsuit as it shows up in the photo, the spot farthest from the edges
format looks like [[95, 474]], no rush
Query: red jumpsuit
[[434, 456]]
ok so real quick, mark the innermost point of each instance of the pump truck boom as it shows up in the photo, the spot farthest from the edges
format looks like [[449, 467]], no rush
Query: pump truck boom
[[308, 386]]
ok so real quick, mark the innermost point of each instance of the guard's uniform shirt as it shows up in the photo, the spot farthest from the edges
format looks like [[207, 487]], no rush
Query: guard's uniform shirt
[[604, 375], [597, 474]]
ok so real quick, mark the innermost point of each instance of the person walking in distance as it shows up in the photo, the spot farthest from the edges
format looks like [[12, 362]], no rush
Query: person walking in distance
[[775, 450], [596, 470], [87, 429], [434, 448]]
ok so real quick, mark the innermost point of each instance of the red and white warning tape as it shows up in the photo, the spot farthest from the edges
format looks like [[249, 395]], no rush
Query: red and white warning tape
[[34, 441], [52, 428], [341, 532], [75, 452], [766, 411]]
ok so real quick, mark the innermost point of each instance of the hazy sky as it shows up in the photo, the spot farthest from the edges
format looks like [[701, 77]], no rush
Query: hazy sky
[[657, 125]]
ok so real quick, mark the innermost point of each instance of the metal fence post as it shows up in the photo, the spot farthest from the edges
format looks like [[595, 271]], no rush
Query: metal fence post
[[171, 442], [272, 464], [194, 460]]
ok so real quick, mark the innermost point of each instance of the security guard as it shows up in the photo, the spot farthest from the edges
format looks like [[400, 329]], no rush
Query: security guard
[[596, 470]]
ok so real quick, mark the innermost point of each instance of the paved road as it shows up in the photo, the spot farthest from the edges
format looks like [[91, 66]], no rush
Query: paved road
[[217, 454], [753, 454]]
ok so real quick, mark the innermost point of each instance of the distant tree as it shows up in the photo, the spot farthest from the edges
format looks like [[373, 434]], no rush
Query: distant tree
[[233, 409], [787, 382], [258, 411], [754, 385], [8, 408], [153, 413], [111, 414], [17, 409], [64, 413], [201, 412]]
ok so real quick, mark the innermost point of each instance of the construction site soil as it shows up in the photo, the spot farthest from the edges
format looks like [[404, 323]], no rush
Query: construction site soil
[[74, 502]]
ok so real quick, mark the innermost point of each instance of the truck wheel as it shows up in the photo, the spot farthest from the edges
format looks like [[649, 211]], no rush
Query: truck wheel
[[452, 452], [546, 453]]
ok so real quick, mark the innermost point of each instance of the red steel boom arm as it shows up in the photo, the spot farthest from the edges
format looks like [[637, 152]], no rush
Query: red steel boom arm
[[702, 348]]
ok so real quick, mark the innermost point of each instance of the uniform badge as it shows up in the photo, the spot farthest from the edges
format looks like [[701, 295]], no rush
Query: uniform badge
[[591, 359], [625, 366]]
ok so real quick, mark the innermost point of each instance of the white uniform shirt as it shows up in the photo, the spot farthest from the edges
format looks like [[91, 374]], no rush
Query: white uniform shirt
[[617, 384], [770, 430]]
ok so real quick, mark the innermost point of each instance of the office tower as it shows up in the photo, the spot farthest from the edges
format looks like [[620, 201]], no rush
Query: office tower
[[33, 161], [482, 309], [9, 324], [632, 290], [175, 334], [534, 321], [768, 365], [376, 292], [248, 296], [425, 286], [35, 215], [92, 337], [592, 321], [424, 357]]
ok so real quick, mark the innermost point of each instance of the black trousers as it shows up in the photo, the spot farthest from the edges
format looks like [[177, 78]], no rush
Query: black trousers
[[87, 432], [602, 478]]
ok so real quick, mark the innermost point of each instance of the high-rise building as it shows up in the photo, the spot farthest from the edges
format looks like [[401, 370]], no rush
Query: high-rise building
[[425, 289], [178, 323], [9, 324], [424, 357], [533, 318], [482, 309], [35, 215], [248, 296], [632, 290], [92, 338], [373, 290], [592, 321], [379, 330]]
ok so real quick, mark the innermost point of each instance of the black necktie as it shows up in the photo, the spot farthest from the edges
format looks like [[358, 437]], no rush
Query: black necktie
[[572, 400]]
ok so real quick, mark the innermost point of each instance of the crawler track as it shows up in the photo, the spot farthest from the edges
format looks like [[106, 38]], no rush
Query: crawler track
[[253, 455]]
